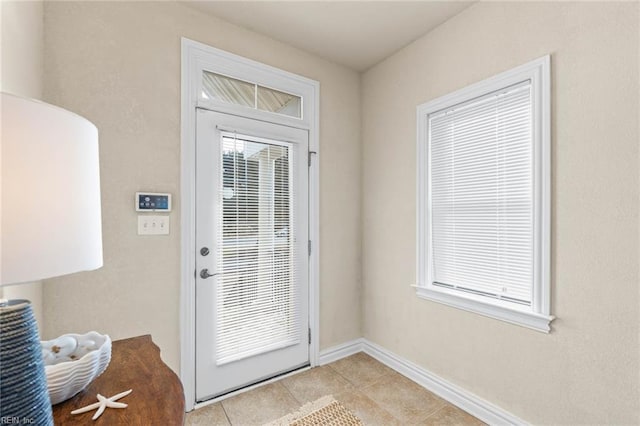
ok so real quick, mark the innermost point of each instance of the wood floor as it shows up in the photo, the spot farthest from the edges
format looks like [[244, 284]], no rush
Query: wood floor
[[373, 392]]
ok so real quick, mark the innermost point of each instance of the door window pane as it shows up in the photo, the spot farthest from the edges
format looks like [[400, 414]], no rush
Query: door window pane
[[257, 303]]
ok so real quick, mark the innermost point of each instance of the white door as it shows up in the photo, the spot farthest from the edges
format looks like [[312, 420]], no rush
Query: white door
[[252, 317]]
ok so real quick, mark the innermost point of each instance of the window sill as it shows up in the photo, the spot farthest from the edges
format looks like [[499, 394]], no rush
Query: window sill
[[534, 321]]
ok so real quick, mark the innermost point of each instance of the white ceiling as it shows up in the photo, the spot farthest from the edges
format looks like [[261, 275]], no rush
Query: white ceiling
[[357, 34]]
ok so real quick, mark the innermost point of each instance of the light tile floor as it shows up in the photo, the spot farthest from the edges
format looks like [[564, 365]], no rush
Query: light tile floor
[[373, 392]]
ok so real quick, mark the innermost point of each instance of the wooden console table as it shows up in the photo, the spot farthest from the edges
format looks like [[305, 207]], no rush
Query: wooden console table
[[157, 397]]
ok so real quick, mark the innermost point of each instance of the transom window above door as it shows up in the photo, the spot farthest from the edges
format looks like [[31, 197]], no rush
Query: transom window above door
[[239, 92]]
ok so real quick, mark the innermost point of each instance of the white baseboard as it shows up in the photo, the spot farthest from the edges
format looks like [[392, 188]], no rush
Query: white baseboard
[[465, 400], [335, 353]]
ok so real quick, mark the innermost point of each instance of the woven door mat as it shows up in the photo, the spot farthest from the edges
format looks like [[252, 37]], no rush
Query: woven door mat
[[326, 411]]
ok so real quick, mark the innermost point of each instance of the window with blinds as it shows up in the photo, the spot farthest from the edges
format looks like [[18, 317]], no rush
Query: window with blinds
[[483, 197], [257, 302]]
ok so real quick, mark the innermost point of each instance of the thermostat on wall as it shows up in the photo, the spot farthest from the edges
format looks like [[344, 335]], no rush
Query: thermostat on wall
[[153, 202]]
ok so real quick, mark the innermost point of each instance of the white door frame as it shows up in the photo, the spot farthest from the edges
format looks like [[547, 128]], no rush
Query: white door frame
[[197, 57]]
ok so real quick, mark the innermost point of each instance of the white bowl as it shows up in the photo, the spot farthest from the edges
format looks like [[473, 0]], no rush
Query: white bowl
[[72, 361]]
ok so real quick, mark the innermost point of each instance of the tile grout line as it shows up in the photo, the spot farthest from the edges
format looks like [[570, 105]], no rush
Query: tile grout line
[[436, 411], [349, 382], [341, 375], [373, 402], [224, 410], [338, 373], [350, 386], [365, 386], [390, 373], [291, 393], [386, 375], [360, 390]]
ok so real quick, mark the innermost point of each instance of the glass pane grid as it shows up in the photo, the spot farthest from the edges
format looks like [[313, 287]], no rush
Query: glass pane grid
[[238, 92]]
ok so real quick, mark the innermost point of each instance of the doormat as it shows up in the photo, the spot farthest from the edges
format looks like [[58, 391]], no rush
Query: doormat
[[326, 411]]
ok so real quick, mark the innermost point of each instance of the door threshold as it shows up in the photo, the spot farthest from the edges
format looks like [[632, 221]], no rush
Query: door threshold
[[200, 404]]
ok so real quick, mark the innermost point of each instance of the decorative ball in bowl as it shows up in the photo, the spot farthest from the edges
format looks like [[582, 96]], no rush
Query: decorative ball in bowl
[[72, 361]]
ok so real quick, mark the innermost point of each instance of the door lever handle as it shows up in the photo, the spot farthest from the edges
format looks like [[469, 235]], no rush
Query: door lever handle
[[205, 274]]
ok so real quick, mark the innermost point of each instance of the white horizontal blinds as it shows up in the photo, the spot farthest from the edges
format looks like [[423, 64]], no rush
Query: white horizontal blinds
[[481, 177], [257, 296]]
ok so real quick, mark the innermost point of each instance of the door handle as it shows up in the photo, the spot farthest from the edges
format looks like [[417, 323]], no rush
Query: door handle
[[205, 274]]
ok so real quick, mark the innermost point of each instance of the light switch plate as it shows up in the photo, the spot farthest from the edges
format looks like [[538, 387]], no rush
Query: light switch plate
[[153, 225]]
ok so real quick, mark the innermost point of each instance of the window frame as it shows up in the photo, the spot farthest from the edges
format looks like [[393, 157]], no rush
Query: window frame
[[537, 316], [216, 61]]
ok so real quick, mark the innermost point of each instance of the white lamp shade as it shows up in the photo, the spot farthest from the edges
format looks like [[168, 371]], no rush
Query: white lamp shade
[[50, 192]]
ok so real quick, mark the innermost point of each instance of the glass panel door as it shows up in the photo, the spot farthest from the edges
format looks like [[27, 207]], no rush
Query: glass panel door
[[252, 232]]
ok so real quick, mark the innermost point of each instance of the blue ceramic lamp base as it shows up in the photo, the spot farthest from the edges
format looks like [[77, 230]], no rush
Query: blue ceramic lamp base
[[24, 398]]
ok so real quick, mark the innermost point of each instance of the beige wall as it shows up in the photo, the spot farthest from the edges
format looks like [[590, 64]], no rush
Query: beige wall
[[118, 64], [21, 73], [587, 369]]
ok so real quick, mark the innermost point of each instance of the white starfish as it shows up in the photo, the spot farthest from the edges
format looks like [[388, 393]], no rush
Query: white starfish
[[103, 404]]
